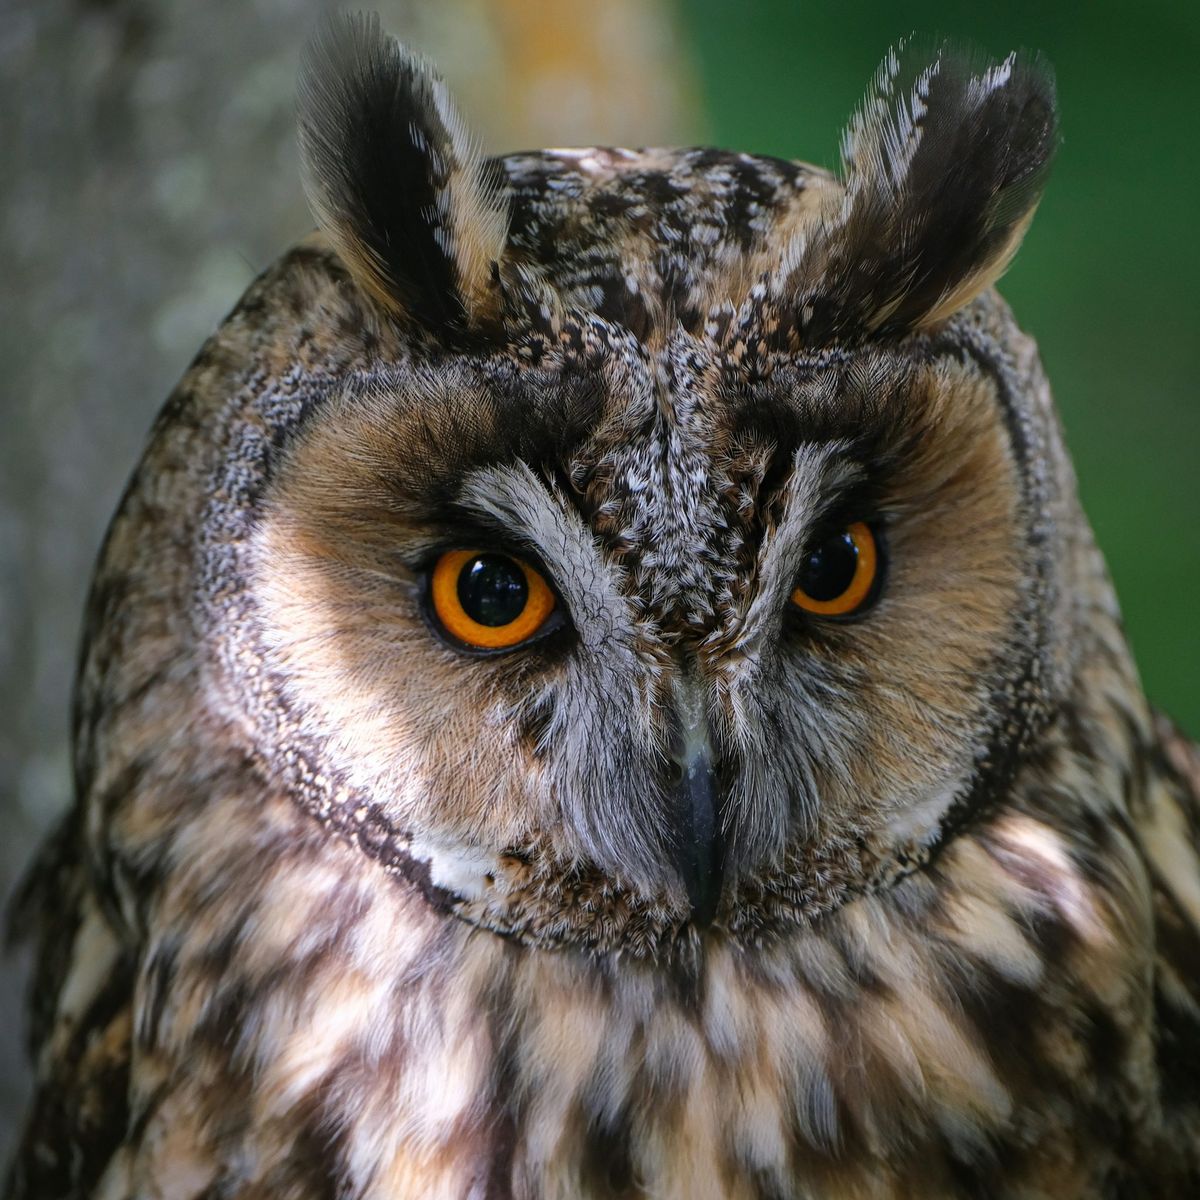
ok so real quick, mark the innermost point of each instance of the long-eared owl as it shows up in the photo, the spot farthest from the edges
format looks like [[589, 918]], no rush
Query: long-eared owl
[[600, 687]]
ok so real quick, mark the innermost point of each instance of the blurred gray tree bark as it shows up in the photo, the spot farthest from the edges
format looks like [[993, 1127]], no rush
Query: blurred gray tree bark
[[148, 173]]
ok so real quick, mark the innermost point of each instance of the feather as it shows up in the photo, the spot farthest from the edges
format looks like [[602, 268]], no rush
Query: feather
[[395, 179], [943, 166]]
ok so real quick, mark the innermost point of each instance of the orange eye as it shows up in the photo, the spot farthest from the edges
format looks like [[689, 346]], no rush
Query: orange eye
[[487, 600], [839, 574]]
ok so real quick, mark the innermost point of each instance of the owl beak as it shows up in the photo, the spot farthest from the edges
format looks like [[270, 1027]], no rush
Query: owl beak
[[699, 845]]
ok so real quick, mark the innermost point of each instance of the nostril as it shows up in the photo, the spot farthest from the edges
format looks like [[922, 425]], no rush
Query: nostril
[[674, 770]]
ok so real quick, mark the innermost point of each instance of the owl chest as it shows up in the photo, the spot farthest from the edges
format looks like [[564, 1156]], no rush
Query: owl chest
[[977, 1035], [496, 1071]]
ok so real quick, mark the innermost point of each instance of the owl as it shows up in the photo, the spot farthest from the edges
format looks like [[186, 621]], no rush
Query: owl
[[600, 688]]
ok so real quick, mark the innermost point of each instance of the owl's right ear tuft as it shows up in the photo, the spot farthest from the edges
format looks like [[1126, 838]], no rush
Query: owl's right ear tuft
[[396, 181]]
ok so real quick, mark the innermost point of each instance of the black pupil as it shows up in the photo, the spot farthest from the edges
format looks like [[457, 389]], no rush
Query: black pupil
[[829, 570], [492, 589]]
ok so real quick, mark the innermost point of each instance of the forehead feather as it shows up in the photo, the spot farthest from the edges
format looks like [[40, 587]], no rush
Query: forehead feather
[[656, 236]]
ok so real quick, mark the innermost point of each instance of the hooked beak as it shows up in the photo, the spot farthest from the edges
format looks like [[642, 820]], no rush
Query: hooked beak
[[699, 844]]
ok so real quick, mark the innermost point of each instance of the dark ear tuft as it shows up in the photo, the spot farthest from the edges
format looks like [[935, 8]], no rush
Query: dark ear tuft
[[395, 180], [943, 167]]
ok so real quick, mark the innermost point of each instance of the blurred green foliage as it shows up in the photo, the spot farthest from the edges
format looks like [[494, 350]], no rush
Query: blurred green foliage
[[1107, 278]]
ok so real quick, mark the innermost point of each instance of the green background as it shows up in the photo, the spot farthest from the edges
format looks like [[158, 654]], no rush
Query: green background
[[1108, 276]]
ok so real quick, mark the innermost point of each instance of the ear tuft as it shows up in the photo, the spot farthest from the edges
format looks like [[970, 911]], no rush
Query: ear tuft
[[395, 180], [943, 166]]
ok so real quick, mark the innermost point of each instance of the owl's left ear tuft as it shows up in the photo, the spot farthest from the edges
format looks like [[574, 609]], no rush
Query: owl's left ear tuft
[[396, 181], [943, 167]]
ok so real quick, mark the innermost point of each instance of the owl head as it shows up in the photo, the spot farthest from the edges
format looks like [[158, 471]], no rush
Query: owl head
[[672, 543]]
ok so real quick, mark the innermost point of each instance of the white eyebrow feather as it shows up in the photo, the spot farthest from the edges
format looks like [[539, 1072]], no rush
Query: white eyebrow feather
[[517, 499], [818, 472]]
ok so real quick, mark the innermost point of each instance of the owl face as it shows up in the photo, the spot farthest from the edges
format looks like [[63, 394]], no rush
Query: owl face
[[675, 561]]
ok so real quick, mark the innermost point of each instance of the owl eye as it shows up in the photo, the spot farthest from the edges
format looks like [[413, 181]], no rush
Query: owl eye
[[487, 600], [840, 573]]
